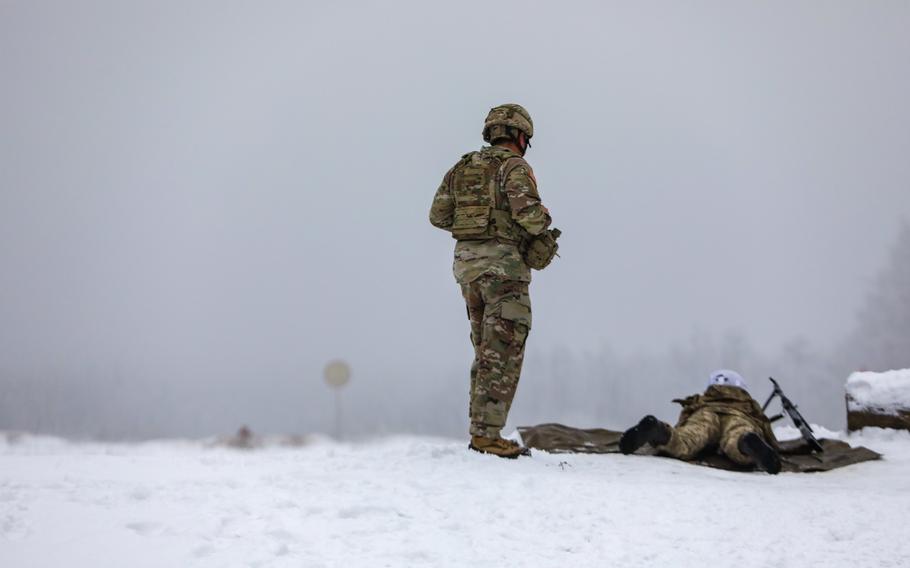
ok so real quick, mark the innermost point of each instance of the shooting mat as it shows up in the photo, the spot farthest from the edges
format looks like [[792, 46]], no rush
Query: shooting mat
[[795, 454]]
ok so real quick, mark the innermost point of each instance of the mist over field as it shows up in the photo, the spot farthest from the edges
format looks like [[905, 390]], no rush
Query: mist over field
[[203, 203]]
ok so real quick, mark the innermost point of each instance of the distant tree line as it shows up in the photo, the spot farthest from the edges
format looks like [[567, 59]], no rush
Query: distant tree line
[[596, 388]]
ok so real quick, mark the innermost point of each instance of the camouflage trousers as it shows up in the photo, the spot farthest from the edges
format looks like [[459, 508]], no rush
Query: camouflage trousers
[[706, 429], [500, 315]]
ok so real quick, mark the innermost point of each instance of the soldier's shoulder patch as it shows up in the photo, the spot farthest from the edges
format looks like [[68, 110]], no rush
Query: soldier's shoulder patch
[[513, 164], [521, 166]]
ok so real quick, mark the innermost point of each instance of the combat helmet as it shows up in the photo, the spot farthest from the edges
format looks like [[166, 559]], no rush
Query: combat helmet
[[727, 377], [505, 117]]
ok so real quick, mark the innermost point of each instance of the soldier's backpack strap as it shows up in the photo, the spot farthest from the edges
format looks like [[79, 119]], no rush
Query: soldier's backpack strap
[[496, 186], [457, 167]]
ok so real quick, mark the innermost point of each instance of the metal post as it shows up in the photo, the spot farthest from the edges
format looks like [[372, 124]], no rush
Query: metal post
[[337, 374], [338, 414]]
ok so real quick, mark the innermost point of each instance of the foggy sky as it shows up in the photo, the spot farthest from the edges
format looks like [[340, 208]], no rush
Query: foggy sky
[[211, 196]]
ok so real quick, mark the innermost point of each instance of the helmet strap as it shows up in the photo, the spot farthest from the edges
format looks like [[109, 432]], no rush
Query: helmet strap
[[515, 135], [527, 142]]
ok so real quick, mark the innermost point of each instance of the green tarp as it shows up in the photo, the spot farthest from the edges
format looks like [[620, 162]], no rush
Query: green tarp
[[795, 454]]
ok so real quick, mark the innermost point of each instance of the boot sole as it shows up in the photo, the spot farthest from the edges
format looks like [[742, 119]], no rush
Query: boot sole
[[522, 452], [765, 457], [638, 435]]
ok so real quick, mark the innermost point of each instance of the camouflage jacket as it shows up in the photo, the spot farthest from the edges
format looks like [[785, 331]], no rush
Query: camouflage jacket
[[475, 258], [724, 399]]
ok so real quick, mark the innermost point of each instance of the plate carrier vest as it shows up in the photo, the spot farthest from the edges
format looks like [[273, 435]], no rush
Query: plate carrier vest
[[481, 212]]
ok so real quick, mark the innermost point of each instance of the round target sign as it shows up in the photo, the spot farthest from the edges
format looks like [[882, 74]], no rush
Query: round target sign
[[337, 373]]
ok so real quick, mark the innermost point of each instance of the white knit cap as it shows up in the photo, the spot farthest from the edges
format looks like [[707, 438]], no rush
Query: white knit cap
[[727, 377]]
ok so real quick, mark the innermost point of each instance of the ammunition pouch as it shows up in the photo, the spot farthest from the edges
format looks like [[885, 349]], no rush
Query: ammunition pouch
[[482, 222], [538, 251], [471, 222]]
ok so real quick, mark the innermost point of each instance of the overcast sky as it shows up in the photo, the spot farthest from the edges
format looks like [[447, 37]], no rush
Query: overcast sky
[[219, 193]]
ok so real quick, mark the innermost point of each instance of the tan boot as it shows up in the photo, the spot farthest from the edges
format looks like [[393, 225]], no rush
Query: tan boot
[[497, 447]]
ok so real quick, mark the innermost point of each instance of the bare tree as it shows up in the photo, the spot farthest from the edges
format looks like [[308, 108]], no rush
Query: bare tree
[[881, 339]]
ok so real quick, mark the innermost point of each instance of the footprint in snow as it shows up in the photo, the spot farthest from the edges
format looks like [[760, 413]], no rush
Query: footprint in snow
[[355, 512], [143, 528]]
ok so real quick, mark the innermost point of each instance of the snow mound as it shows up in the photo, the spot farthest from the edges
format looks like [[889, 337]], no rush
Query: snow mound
[[883, 393]]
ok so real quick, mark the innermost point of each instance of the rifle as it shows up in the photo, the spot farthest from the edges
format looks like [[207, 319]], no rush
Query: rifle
[[794, 414]]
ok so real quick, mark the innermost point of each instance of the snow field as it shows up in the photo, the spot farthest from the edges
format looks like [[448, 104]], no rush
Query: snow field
[[409, 501]]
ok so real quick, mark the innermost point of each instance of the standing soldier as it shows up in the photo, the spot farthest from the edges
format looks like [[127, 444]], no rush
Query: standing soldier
[[489, 202]]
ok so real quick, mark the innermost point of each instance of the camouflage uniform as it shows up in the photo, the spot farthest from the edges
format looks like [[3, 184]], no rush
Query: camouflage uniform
[[489, 268], [717, 418]]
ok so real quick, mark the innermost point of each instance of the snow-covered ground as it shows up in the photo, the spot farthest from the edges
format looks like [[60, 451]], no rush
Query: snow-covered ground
[[408, 501]]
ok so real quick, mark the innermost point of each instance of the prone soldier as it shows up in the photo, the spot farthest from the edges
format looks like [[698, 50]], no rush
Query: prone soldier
[[725, 417]]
